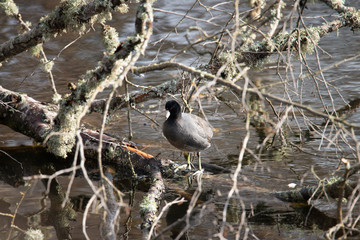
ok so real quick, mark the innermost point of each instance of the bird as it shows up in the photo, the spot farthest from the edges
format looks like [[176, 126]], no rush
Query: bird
[[186, 131]]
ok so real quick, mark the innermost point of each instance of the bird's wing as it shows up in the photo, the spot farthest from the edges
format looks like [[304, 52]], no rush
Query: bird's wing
[[202, 127]]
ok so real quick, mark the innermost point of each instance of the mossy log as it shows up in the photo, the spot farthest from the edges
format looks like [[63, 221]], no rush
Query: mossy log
[[34, 119]]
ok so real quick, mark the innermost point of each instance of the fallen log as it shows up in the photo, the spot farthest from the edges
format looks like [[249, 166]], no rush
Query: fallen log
[[34, 119]]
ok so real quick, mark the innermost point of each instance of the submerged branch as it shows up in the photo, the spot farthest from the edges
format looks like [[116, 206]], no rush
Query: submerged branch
[[151, 202]]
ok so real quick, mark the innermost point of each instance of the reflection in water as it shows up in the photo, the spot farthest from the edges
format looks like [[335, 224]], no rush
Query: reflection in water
[[6, 221], [181, 221], [175, 219], [303, 216], [60, 216]]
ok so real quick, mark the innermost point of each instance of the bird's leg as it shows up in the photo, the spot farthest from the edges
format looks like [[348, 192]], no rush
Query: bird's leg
[[199, 160], [188, 161]]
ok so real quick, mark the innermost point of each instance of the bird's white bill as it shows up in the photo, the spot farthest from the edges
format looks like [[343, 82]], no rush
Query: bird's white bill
[[167, 114]]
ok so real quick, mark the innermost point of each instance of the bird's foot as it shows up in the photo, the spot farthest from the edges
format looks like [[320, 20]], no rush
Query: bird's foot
[[190, 166], [184, 167], [181, 167], [198, 173]]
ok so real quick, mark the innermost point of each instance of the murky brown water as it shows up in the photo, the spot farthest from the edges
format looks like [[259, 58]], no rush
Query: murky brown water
[[279, 166]]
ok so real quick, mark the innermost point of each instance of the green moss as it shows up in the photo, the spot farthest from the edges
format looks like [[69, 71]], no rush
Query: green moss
[[56, 98], [36, 50], [280, 40], [122, 8], [44, 26], [309, 40], [228, 58], [148, 205], [110, 39], [353, 19], [333, 180], [70, 10], [338, 2], [47, 65], [63, 139], [34, 234], [111, 152], [101, 18], [9, 7]]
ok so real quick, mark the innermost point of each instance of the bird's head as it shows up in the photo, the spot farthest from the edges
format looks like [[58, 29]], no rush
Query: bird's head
[[173, 107]]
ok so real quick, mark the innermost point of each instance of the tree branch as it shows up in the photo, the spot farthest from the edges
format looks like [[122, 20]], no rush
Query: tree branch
[[111, 71], [159, 91], [65, 17], [238, 90]]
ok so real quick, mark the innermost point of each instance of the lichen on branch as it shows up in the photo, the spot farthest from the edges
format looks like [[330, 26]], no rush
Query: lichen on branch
[[110, 71], [69, 16]]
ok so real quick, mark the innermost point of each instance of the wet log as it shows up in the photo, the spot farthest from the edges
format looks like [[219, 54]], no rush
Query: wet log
[[25, 115], [34, 119], [151, 202]]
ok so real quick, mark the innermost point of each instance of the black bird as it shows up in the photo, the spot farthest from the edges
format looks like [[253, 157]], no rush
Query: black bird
[[186, 131]]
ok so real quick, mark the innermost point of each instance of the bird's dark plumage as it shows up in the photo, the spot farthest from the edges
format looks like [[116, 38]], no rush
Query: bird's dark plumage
[[185, 131]]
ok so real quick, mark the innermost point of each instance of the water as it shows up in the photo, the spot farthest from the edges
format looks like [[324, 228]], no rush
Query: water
[[269, 218]]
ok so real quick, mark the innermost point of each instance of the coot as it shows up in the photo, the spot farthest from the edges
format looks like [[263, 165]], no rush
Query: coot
[[185, 131]]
